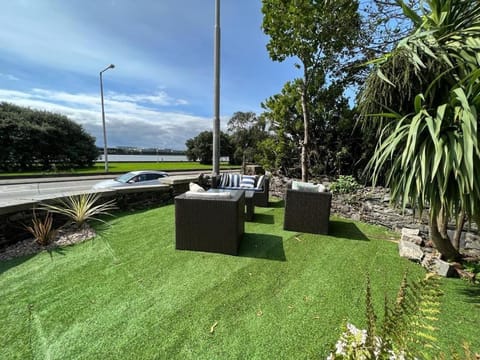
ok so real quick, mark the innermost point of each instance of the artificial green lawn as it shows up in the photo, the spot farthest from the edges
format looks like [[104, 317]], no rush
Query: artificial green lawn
[[128, 294], [121, 167]]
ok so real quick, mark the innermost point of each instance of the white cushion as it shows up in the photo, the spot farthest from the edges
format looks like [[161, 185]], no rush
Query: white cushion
[[208, 195], [307, 187], [195, 187], [248, 181]]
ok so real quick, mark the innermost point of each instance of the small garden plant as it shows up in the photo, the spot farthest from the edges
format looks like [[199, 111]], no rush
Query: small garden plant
[[80, 208], [42, 229], [345, 184]]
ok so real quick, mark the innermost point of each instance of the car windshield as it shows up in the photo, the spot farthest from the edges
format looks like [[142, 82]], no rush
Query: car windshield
[[124, 178]]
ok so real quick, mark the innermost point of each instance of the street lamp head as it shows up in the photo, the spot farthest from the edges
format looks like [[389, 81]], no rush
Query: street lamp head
[[111, 66]]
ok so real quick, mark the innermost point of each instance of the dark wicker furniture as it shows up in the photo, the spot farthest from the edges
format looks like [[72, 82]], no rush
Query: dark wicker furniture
[[213, 225], [307, 212]]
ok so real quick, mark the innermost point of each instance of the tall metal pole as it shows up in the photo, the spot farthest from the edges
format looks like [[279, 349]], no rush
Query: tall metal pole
[[105, 148], [216, 102]]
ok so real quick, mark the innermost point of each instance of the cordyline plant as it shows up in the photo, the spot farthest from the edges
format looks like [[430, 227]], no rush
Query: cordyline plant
[[81, 208], [432, 155], [42, 230]]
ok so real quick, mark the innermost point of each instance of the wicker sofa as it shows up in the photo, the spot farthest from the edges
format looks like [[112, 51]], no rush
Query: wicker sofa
[[207, 223], [307, 212], [259, 184]]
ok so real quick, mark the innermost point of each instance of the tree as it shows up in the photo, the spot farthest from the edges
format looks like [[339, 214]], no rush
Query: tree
[[338, 147], [200, 147], [432, 153], [33, 139], [247, 131], [319, 34]]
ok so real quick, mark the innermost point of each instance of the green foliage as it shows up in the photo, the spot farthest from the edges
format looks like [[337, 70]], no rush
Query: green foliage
[[81, 208], [34, 139], [345, 184], [431, 155], [201, 147], [337, 146], [42, 229], [246, 133], [320, 34], [406, 331]]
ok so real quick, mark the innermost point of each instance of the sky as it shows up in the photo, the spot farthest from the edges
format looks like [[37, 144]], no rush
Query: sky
[[160, 92]]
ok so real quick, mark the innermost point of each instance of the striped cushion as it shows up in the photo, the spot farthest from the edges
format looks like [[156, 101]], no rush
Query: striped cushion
[[234, 180], [248, 181], [224, 180], [259, 184]]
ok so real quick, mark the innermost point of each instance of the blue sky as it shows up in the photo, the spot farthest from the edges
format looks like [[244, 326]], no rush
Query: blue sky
[[161, 90]]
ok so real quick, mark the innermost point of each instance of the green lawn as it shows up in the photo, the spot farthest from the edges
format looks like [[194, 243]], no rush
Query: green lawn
[[121, 167], [128, 294]]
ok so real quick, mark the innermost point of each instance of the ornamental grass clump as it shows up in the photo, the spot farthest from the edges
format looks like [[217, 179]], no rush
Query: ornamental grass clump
[[81, 208], [42, 229]]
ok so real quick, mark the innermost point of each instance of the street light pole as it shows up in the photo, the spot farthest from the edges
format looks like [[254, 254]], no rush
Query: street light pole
[[105, 152], [216, 105]]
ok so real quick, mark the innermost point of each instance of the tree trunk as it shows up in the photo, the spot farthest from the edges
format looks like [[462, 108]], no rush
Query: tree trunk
[[439, 236], [305, 144], [458, 230]]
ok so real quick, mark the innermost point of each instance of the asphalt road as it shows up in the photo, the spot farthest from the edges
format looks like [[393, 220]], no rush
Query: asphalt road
[[15, 191]]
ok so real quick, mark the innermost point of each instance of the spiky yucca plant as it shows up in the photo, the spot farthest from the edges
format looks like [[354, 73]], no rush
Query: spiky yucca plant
[[431, 156], [42, 229], [81, 208]]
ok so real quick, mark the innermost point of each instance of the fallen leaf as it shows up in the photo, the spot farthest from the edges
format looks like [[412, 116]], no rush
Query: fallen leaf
[[212, 329], [298, 239], [259, 313]]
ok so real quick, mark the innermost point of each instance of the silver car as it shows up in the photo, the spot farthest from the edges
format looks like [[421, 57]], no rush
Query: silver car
[[143, 177]]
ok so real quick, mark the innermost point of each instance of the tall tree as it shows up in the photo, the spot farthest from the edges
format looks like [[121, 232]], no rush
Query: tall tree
[[32, 139], [337, 146], [430, 145], [200, 147], [319, 34], [247, 131]]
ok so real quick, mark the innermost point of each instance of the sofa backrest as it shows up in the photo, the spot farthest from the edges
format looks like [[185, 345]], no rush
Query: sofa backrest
[[238, 181]]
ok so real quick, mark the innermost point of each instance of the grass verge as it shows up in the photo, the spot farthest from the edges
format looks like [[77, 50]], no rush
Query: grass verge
[[129, 294], [121, 167]]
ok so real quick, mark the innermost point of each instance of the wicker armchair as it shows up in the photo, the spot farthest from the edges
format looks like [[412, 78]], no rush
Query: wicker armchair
[[208, 224], [307, 212]]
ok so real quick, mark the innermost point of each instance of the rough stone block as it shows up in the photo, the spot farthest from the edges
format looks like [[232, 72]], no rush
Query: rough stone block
[[472, 241], [409, 231], [443, 268], [412, 235], [410, 250]]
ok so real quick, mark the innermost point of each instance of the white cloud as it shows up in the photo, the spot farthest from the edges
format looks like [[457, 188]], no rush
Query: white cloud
[[128, 122], [9, 77]]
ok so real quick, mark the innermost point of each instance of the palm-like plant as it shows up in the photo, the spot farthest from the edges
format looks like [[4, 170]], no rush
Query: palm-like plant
[[432, 155], [80, 208]]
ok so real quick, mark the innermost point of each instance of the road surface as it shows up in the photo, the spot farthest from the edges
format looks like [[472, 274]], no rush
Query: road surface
[[15, 191], [19, 193]]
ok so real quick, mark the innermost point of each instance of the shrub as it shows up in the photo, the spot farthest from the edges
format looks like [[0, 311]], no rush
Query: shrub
[[81, 208], [42, 230], [345, 184]]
